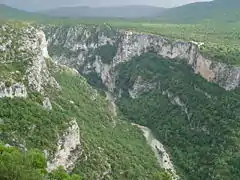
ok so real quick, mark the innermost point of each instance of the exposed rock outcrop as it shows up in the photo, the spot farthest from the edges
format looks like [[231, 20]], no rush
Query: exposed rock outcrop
[[69, 148], [177, 101], [140, 86], [79, 45], [38, 74], [23, 56], [47, 104], [13, 90]]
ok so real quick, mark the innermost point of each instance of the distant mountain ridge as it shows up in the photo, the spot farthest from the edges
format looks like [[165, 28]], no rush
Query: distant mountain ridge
[[7, 12], [132, 11], [217, 10]]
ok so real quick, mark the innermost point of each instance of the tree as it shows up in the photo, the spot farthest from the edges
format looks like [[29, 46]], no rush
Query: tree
[[163, 175], [30, 165]]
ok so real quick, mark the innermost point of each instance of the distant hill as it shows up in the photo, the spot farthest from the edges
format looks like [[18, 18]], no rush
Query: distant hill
[[9, 12], [224, 11], [217, 10], [140, 11]]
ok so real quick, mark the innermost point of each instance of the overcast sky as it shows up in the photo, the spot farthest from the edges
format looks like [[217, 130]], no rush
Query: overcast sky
[[32, 5]]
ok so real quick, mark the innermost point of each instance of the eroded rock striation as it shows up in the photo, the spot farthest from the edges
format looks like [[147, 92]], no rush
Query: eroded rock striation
[[78, 47]]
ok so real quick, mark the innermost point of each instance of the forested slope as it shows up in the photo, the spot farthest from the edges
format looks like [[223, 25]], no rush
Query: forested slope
[[197, 120], [51, 109]]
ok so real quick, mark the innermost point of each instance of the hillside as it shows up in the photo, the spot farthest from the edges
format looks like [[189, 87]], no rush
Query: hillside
[[81, 99], [13, 13], [193, 118], [106, 12], [9, 13], [55, 118], [189, 101], [216, 11]]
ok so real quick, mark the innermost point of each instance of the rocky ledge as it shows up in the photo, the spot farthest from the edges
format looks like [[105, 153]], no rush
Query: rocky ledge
[[76, 47]]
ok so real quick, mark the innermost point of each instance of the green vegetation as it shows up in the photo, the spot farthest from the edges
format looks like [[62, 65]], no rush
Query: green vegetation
[[29, 165], [122, 146], [107, 53], [202, 136], [95, 80], [111, 147], [26, 122], [221, 41], [216, 10], [13, 60], [161, 176], [217, 26]]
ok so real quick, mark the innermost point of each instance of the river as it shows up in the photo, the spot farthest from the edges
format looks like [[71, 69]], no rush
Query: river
[[161, 155]]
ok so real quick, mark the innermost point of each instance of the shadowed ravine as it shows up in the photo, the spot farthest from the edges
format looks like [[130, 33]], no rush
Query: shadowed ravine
[[157, 147]]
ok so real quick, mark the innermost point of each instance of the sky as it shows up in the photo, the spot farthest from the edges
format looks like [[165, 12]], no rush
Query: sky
[[34, 5]]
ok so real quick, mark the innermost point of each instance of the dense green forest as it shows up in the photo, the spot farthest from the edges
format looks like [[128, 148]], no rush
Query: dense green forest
[[111, 146], [196, 120], [29, 165], [123, 146], [26, 122], [202, 135]]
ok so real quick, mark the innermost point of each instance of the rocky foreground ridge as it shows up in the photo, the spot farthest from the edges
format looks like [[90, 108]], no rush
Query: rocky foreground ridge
[[24, 70], [23, 57]]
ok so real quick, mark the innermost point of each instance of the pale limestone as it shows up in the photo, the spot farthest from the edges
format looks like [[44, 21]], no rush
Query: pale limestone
[[15, 90], [69, 148], [47, 104], [134, 44]]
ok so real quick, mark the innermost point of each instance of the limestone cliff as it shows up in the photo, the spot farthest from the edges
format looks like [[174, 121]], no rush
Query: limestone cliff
[[69, 148], [182, 109], [53, 109], [23, 57], [23, 64], [78, 47]]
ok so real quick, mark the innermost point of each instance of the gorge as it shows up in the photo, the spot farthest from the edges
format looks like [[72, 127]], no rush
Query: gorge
[[87, 95], [163, 84]]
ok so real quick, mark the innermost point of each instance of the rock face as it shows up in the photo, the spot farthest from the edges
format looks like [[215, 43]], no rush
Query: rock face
[[38, 74], [69, 148], [14, 90], [47, 104], [140, 86], [23, 60], [177, 101], [77, 46]]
